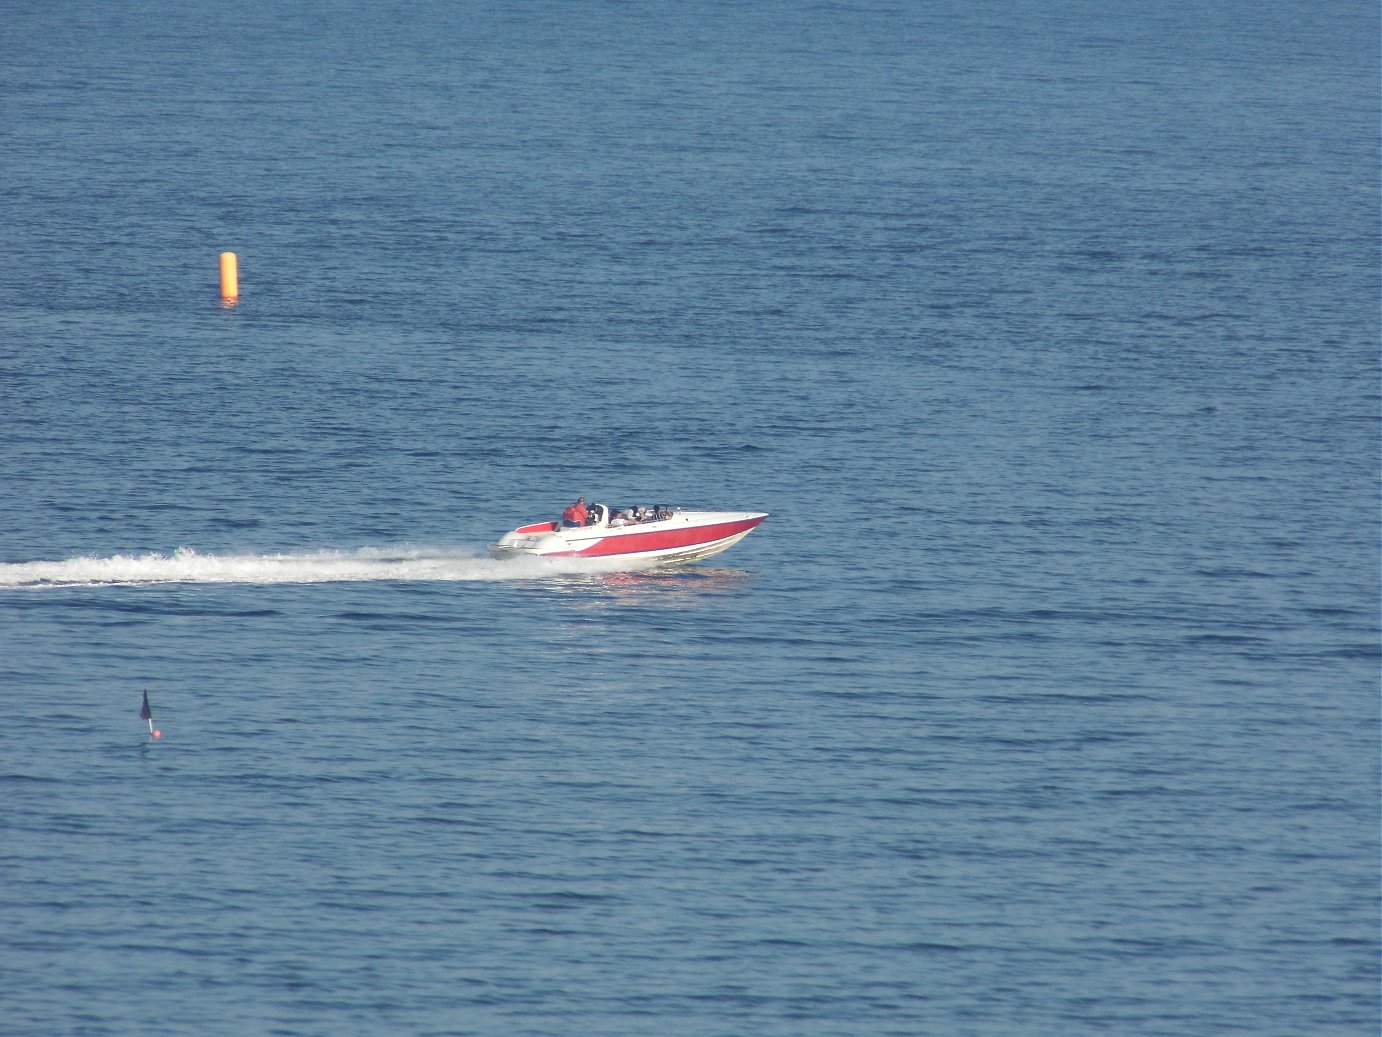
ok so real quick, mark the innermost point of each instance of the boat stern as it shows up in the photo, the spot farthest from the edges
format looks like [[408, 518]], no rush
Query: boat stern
[[539, 538]]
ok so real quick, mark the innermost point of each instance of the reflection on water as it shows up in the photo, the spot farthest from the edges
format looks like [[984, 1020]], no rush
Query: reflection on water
[[652, 587]]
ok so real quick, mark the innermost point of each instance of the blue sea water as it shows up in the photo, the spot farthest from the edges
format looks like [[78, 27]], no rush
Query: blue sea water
[[1045, 702]]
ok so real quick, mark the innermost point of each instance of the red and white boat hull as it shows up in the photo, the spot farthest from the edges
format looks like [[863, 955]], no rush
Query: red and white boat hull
[[686, 536]]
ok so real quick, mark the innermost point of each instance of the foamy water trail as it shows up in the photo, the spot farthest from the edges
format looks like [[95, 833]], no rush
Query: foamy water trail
[[186, 565]]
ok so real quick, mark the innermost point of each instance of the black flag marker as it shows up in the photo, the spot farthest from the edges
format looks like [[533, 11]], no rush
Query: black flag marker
[[145, 713]]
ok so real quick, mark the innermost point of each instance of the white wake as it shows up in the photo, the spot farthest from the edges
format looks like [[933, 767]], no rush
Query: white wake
[[364, 564]]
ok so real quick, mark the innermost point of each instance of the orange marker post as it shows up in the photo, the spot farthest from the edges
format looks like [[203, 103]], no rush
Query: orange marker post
[[230, 281]]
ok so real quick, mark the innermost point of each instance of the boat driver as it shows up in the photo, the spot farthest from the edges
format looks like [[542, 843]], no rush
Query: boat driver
[[575, 515]]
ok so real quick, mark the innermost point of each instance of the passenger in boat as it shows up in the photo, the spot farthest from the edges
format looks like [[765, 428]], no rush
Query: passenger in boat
[[620, 519], [575, 516]]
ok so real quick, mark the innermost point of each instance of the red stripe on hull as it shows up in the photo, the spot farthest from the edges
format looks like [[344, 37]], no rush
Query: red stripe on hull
[[616, 543]]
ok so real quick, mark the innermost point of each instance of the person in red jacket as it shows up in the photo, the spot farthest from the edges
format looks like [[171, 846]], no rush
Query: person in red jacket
[[575, 515]]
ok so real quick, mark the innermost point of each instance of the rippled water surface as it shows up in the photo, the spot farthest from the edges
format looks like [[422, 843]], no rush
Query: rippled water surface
[[1045, 701]]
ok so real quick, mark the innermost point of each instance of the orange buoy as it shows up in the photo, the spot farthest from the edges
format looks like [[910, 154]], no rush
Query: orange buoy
[[230, 281]]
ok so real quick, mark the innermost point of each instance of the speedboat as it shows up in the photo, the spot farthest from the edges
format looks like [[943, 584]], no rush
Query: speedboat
[[652, 536]]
